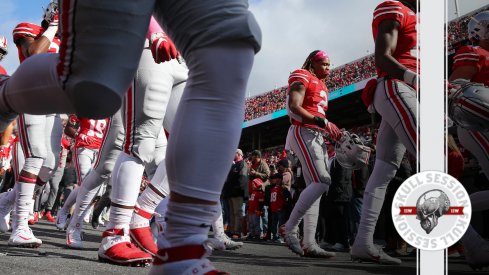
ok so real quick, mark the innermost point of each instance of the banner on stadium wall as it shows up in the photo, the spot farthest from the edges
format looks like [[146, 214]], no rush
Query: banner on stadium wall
[[332, 96]]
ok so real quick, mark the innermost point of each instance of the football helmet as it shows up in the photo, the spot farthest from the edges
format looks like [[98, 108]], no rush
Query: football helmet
[[351, 153], [50, 11], [468, 107], [478, 26], [3, 46]]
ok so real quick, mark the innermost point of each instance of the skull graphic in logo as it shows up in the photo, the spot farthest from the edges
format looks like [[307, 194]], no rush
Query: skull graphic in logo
[[430, 206]]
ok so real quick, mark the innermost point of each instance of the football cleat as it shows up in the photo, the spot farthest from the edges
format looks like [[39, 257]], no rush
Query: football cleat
[[116, 248], [74, 237], [362, 253], [49, 217], [143, 238], [292, 240], [62, 220], [188, 259], [228, 243], [33, 218], [23, 237], [479, 257], [314, 251]]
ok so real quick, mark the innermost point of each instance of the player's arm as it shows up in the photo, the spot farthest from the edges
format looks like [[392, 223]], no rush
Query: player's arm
[[465, 72], [71, 130], [385, 46], [297, 93], [7, 133], [31, 46]]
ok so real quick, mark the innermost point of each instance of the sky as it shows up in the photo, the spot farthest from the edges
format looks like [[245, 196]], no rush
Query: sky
[[291, 29]]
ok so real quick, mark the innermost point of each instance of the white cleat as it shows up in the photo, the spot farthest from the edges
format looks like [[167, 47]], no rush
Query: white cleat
[[74, 237], [228, 243], [479, 257], [62, 220], [362, 253], [293, 242], [314, 251], [23, 237]]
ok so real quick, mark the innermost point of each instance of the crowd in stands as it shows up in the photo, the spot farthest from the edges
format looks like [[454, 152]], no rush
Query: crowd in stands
[[345, 75]]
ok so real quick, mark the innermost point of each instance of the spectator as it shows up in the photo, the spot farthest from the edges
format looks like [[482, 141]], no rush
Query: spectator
[[259, 169], [234, 191], [286, 172], [255, 209], [279, 200]]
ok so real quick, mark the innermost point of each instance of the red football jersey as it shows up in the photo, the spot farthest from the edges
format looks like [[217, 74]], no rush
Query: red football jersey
[[473, 56], [277, 200], [315, 98], [2, 70], [406, 50], [255, 201], [23, 30], [92, 128]]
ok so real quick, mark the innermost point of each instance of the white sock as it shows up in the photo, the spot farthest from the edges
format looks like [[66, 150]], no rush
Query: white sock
[[145, 206], [218, 226], [188, 221], [307, 198], [126, 180], [70, 201], [23, 201], [373, 198], [310, 223], [86, 192]]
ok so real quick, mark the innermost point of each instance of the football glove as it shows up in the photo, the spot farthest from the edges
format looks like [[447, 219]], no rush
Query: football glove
[[162, 47]]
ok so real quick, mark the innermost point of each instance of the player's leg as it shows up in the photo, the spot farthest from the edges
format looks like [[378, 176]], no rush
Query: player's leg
[[476, 248], [389, 154], [32, 139], [100, 174], [308, 145]]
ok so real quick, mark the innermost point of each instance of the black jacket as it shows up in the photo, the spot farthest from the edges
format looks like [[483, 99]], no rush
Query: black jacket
[[237, 180]]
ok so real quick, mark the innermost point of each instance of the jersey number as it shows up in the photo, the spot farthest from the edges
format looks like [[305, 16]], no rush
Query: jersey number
[[323, 103], [96, 128]]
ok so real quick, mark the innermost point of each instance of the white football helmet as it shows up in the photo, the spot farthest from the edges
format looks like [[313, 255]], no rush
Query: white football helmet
[[468, 107], [50, 11], [478, 26], [3, 46], [351, 153]]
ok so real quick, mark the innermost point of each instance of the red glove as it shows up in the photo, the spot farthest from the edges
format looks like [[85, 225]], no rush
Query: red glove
[[333, 131], [88, 140], [162, 47], [368, 95], [4, 151], [54, 20]]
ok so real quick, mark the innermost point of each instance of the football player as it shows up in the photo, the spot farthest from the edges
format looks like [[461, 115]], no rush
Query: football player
[[37, 133], [92, 82], [471, 64], [88, 135], [307, 103], [393, 96]]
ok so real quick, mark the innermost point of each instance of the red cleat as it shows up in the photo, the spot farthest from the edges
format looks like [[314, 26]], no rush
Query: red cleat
[[143, 238], [33, 219], [49, 217], [116, 248]]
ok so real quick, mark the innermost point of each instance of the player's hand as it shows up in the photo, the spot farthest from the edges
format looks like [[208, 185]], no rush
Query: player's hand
[[162, 47], [455, 85], [4, 151], [333, 131], [54, 20], [88, 140]]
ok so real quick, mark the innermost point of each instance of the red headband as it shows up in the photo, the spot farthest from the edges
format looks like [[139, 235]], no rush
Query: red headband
[[320, 55]]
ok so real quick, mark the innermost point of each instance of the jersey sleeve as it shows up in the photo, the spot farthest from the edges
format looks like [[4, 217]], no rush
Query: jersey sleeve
[[466, 56], [24, 30], [389, 10], [301, 76]]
